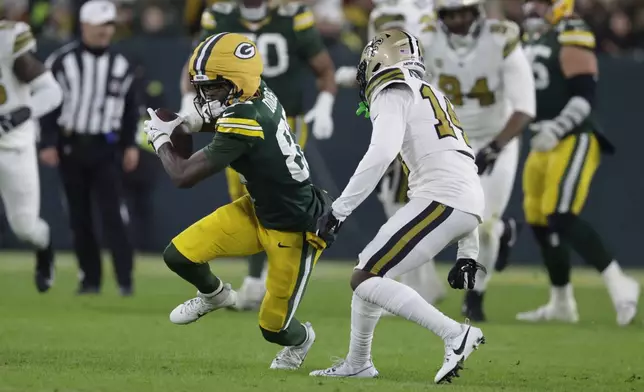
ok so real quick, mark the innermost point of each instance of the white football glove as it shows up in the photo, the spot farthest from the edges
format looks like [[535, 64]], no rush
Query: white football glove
[[547, 135], [159, 131], [346, 76], [321, 115]]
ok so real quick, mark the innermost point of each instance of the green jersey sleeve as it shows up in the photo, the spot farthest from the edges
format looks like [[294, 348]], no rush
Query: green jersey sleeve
[[307, 37], [575, 32], [223, 150]]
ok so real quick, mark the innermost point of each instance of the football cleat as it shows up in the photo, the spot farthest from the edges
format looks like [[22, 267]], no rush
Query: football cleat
[[291, 357], [193, 309], [457, 350], [625, 298], [342, 368], [44, 275], [565, 311], [511, 230], [250, 294]]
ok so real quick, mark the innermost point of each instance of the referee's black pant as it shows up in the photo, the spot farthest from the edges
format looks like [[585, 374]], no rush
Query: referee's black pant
[[91, 174]]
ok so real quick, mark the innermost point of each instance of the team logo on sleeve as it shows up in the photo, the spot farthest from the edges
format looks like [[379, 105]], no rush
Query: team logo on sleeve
[[245, 50]]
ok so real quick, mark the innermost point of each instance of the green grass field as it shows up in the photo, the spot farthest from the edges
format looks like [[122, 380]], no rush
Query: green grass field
[[60, 342]]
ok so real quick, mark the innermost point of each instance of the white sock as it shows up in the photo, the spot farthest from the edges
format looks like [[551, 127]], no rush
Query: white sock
[[364, 317], [561, 294], [488, 253], [403, 301], [612, 273]]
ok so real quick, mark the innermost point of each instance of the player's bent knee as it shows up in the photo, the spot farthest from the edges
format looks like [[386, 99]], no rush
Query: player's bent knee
[[358, 277], [173, 258], [561, 223]]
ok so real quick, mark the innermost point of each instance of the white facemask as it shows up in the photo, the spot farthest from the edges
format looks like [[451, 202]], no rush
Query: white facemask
[[253, 14]]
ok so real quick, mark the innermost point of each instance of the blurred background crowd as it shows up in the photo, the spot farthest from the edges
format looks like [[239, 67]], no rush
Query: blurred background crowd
[[618, 24]]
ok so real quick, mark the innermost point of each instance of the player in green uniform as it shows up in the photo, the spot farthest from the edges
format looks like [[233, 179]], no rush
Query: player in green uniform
[[279, 214], [288, 42], [565, 152]]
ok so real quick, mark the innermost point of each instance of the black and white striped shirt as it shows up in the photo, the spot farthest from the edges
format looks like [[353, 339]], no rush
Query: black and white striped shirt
[[99, 96]]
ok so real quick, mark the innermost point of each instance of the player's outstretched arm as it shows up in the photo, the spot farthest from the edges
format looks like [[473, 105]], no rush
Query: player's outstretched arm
[[389, 116]]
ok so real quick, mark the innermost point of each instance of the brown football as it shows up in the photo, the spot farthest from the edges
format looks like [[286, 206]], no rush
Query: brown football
[[181, 139]]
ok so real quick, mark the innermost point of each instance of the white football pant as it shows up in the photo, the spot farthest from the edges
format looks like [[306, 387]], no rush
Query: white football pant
[[20, 192]]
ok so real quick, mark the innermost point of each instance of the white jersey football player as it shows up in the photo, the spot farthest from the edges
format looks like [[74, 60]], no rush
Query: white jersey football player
[[480, 66], [414, 17], [414, 120], [27, 91]]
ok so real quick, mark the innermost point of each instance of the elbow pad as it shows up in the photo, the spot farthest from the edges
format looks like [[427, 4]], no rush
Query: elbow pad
[[46, 94]]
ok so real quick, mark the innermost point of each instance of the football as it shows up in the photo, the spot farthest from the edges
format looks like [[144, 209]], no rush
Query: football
[[181, 139]]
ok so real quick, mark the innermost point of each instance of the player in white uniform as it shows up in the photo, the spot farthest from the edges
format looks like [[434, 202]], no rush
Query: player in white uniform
[[27, 91], [480, 66], [414, 17], [414, 120]]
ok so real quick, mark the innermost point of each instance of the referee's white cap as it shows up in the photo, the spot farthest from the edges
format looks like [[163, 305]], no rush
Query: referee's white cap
[[98, 12]]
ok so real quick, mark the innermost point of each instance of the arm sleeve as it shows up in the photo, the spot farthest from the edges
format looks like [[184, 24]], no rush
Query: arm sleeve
[[225, 149], [518, 81], [389, 116], [307, 36], [131, 113]]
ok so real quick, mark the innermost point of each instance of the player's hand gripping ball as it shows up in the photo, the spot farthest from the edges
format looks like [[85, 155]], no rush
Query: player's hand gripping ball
[[181, 139]]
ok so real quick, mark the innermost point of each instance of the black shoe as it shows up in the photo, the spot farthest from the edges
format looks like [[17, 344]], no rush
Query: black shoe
[[511, 231], [126, 291], [473, 306], [44, 276], [88, 290]]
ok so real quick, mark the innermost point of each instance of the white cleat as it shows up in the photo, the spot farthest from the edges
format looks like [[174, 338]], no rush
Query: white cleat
[[250, 295], [193, 309], [565, 311], [457, 350], [625, 301], [342, 368], [291, 357]]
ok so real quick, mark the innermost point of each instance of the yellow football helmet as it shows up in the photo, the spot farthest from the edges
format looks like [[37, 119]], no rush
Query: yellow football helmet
[[225, 62], [560, 9]]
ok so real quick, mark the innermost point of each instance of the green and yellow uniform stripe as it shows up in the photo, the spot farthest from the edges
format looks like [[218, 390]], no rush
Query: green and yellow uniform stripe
[[582, 38], [303, 21], [240, 126]]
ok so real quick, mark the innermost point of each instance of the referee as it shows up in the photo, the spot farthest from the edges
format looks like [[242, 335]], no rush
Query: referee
[[86, 138]]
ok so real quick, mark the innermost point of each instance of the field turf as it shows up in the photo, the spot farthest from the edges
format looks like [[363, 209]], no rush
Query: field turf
[[59, 342]]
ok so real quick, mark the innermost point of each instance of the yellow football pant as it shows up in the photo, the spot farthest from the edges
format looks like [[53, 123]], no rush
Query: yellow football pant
[[234, 231], [558, 181], [235, 188]]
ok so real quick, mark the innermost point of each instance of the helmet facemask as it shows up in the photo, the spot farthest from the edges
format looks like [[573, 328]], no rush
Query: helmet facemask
[[212, 97]]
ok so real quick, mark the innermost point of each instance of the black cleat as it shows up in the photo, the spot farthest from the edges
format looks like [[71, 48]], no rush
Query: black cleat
[[126, 291], [44, 275], [473, 306], [511, 231], [88, 290]]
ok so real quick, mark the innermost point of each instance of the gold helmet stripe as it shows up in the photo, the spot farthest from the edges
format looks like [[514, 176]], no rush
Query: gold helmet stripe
[[203, 53]]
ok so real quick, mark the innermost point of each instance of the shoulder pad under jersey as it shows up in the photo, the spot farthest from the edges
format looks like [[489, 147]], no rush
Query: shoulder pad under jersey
[[385, 78], [16, 39], [505, 33], [575, 32], [241, 120]]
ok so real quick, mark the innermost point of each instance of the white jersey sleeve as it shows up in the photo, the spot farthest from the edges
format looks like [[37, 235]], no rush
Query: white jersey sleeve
[[518, 80], [389, 110]]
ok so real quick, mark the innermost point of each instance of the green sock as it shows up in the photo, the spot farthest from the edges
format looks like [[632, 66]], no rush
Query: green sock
[[256, 265], [556, 257], [293, 335], [197, 274], [583, 239]]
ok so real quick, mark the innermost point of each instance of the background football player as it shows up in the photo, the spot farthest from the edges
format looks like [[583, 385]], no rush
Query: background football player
[[288, 42], [278, 215], [565, 152], [27, 91], [413, 16], [479, 65]]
